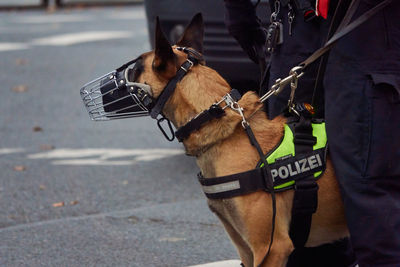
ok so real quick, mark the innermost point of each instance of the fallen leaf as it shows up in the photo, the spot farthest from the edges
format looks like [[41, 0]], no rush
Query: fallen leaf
[[46, 147], [37, 129], [73, 202], [58, 204], [51, 9], [21, 61], [20, 88], [19, 168], [42, 187]]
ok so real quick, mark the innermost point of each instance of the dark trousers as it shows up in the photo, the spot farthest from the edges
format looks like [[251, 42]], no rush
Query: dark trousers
[[363, 127], [362, 112]]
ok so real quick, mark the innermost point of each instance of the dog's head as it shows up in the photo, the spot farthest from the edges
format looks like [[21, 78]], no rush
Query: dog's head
[[134, 89], [161, 65]]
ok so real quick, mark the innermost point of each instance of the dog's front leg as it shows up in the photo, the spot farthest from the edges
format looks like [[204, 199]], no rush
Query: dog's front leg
[[243, 249], [225, 211], [255, 211], [277, 257]]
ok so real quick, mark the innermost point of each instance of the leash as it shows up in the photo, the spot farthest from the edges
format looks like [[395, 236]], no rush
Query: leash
[[269, 181], [340, 12], [266, 171], [343, 29]]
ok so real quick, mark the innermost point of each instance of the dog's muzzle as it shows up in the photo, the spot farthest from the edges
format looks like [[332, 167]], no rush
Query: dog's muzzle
[[116, 96]]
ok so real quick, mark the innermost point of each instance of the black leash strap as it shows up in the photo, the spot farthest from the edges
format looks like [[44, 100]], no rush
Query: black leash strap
[[318, 92], [269, 183], [344, 28]]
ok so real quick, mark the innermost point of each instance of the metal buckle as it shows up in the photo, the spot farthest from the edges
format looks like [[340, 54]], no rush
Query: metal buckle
[[191, 65], [280, 84], [293, 86], [234, 105]]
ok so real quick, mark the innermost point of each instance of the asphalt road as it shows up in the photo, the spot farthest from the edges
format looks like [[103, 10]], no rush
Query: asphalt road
[[79, 193]]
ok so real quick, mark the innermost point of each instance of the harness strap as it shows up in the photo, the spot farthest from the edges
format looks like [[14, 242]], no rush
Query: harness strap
[[214, 112], [170, 87], [305, 199], [193, 59], [254, 180], [233, 185]]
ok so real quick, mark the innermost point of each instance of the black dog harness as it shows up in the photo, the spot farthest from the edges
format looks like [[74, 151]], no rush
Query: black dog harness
[[296, 163], [287, 167]]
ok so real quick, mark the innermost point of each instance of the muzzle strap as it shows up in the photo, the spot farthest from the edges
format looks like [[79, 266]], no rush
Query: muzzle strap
[[127, 64], [170, 87]]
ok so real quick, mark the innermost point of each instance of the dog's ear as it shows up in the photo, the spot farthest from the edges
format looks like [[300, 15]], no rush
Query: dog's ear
[[164, 59], [193, 34]]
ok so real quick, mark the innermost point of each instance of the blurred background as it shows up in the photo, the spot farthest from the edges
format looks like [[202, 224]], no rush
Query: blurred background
[[79, 193]]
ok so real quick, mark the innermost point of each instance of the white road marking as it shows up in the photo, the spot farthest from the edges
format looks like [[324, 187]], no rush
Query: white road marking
[[70, 39], [13, 46], [58, 18], [68, 18], [103, 156], [227, 263], [128, 15], [4, 151], [81, 37]]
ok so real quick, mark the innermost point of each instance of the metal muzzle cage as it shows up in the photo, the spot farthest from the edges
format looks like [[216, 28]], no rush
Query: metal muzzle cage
[[113, 96]]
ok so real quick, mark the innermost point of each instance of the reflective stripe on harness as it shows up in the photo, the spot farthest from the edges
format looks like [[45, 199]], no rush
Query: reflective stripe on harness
[[286, 168]]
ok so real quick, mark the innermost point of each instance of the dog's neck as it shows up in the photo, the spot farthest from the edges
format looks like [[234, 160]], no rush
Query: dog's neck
[[197, 92]]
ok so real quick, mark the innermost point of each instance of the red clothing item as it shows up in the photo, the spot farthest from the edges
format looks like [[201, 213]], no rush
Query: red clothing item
[[322, 8]]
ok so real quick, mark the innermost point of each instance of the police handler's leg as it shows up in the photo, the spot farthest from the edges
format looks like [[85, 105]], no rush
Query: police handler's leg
[[362, 110], [363, 127]]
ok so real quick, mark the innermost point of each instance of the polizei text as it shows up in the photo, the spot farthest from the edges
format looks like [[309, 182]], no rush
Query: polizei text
[[297, 167]]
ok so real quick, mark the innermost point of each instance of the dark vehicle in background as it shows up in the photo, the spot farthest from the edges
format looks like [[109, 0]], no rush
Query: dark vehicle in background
[[221, 51]]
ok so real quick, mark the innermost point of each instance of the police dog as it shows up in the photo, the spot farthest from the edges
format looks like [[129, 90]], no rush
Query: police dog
[[222, 147]]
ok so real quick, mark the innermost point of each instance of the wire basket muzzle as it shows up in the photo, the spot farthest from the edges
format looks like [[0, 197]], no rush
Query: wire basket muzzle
[[113, 97]]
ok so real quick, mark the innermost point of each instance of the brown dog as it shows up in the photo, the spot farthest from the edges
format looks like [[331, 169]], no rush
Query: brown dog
[[222, 147]]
